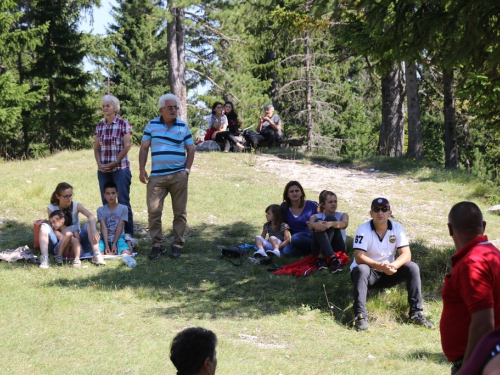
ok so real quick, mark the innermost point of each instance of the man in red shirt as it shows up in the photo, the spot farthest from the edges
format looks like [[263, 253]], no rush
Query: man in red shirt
[[471, 291]]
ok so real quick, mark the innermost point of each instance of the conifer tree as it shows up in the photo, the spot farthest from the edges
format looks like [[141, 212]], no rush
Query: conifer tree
[[139, 69], [66, 115]]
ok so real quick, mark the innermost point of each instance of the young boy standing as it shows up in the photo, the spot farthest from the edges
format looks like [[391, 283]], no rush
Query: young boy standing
[[112, 217]]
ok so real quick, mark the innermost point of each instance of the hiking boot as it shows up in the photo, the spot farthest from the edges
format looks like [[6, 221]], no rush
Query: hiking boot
[[273, 253], [421, 321], [98, 260], [45, 263], [335, 265], [260, 253], [176, 252], [361, 324], [58, 259], [321, 263], [77, 263], [156, 251]]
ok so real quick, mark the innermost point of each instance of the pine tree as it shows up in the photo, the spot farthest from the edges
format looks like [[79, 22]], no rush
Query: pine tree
[[15, 96], [139, 69], [66, 114]]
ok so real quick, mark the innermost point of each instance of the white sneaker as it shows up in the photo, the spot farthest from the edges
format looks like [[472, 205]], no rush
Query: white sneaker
[[132, 240], [98, 259], [273, 253], [45, 262], [260, 253]]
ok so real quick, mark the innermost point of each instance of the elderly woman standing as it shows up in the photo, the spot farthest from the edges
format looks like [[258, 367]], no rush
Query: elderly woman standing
[[269, 129], [112, 141]]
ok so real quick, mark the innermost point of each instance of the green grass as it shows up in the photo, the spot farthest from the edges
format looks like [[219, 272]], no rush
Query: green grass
[[116, 320]]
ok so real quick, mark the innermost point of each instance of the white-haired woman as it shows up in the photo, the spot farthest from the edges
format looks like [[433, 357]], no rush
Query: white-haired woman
[[112, 141], [268, 129]]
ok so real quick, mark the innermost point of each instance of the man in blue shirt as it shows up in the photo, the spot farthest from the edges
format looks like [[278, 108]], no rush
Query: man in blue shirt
[[169, 139]]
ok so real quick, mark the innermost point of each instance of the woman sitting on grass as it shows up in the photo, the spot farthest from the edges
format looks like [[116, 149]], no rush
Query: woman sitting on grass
[[328, 228], [296, 213], [62, 199], [278, 231], [67, 236]]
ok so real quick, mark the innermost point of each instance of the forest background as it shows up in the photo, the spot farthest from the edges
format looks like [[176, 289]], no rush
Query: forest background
[[355, 78]]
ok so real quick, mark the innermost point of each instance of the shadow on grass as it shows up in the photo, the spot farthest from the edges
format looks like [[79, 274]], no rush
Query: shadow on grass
[[200, 284], [438, 358]]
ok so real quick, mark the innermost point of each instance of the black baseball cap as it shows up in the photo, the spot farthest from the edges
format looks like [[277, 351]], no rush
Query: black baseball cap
[[380, 202]]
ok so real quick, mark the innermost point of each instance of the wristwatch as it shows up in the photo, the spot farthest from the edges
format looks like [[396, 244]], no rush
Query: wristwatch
[[187, 170]]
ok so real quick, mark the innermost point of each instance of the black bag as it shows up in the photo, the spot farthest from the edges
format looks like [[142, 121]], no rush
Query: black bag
[[234, 252]]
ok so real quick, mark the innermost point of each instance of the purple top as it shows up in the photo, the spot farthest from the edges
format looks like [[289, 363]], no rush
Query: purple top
[[298, 224]]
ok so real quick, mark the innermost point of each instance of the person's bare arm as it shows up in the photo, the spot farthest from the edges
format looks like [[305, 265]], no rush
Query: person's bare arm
[[287, 239], [384, 267], [143, 158], [92, 226], [343, 223], [482, 322], [190, 156], [403, 258]]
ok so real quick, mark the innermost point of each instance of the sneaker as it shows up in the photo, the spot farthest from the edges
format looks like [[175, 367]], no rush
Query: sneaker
[[421, 321], [176, 252], [45, 263], [321, 263], [156, 251], [361, 324], [98, 260], [335, 266], [132, 240], [77, 263], [260, 253], [273, 253], [59, 259]]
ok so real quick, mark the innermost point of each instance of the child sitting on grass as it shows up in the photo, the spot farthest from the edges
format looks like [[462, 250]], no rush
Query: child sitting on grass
[[67, 237], [278, 231], [112, 217], [329, 232]]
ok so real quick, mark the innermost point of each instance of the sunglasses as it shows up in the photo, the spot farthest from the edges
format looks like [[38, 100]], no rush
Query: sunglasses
[[378, 209]]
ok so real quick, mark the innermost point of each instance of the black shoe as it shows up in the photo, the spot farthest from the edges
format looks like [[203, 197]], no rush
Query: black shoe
[[321, 263], [361, 324], [421, 321], [156, 251], [335, 265], [176, 252]]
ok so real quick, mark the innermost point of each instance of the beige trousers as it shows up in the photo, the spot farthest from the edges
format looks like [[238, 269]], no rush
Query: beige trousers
[[157, 189]]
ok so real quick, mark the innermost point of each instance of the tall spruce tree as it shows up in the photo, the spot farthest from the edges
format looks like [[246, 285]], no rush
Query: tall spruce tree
[[140, 68], [15, 96], [65, 116]]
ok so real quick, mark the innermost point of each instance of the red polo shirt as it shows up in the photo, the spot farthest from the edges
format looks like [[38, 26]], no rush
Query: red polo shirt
[[472, 285]]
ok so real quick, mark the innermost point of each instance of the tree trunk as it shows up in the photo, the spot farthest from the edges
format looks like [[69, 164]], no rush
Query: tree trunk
[[176, 58], [391, 139], [450, 124], [415, 140], [52, 118], [308, 92]]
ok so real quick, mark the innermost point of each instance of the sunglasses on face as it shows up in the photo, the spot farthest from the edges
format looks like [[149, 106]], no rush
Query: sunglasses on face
[[378, 209]]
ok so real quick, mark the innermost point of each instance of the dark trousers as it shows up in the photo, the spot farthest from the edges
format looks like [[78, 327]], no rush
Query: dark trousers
[[267, 134], [227, 138], [364, 277], [329, 241]]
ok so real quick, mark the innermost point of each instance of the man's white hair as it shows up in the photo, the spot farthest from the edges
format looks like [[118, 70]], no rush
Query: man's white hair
[[164, 98]]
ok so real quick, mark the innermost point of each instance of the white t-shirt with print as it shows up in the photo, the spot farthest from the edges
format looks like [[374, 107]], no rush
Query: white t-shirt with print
[[367, 239]]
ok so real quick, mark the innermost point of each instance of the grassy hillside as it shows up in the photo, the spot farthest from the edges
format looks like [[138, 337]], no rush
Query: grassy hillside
[[116, 320]]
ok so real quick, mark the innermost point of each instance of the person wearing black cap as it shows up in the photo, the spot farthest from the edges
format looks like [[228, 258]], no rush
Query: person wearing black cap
[[375, 244]]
